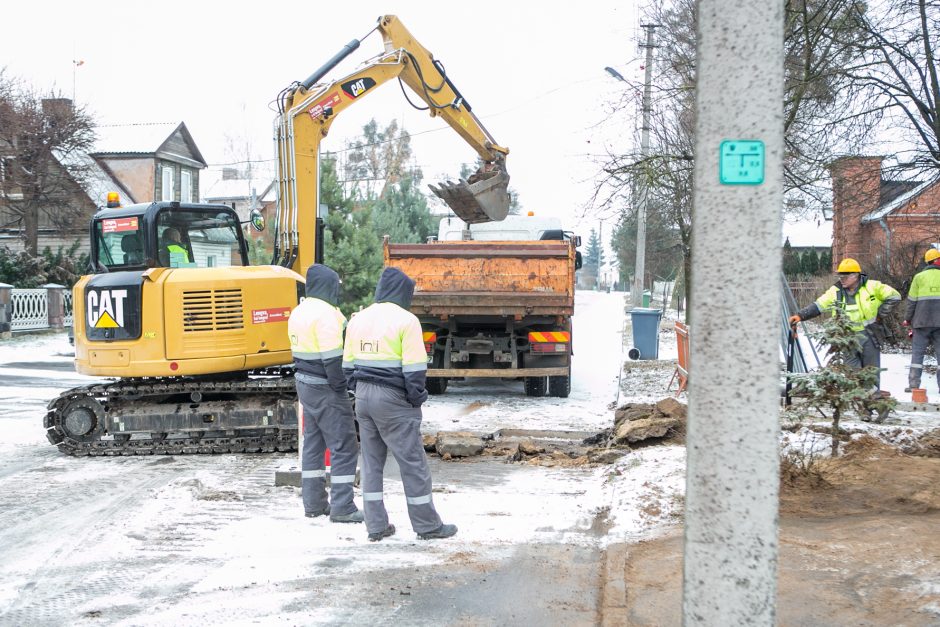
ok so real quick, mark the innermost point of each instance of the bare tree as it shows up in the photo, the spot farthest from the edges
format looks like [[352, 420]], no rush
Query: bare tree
[[821, 116], [43, 144], [899, 75]]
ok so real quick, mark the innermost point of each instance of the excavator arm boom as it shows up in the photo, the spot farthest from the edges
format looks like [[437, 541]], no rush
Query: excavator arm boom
[[307, 111]]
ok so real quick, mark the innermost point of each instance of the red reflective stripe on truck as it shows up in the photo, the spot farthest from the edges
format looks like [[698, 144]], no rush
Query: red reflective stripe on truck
[[549, 336]]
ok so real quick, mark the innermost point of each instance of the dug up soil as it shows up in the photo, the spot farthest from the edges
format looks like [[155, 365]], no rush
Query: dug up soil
[[859, 545]]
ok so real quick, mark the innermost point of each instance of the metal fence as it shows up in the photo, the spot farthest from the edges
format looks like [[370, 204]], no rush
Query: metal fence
[[30, 309], [47, 307], [67, 304]]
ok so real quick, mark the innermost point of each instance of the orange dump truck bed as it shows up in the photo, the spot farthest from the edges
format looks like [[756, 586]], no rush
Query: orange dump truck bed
[[488, 278], [493, 309]]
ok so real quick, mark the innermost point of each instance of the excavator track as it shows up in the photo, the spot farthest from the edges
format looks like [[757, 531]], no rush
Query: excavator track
[[171, 416]]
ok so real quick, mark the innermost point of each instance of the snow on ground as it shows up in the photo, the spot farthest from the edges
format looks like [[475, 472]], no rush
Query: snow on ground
[[196, 539], [209, 539], [902, 427], [486, 405]]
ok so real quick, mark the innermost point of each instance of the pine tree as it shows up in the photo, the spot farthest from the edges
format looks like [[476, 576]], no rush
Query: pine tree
[[839, 387], [594, 255], [825, 262], [809, 263], [351, 246], [791, 262], [402, 213]]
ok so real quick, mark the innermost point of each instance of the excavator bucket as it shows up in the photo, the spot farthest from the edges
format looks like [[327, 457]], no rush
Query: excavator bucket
[[483, 197]]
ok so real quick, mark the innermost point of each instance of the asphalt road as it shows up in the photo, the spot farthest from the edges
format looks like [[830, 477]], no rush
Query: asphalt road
[[211, 540]]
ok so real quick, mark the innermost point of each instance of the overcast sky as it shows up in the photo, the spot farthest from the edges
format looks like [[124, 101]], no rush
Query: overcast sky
[[534, 74]]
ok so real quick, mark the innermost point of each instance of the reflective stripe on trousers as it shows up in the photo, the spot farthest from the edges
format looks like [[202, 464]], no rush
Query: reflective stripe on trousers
[[388, 422], [922, 338], [328, 423]]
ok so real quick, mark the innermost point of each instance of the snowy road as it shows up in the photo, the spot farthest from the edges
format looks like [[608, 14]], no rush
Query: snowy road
[[209, 539]]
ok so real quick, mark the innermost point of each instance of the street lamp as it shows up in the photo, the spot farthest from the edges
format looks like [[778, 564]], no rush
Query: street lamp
[[615, 74], [636, 291]]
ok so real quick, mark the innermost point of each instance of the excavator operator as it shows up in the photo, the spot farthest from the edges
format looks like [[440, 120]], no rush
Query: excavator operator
[[173, 247]]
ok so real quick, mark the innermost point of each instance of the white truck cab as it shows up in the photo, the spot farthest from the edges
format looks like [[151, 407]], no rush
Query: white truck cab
[[512, 228]]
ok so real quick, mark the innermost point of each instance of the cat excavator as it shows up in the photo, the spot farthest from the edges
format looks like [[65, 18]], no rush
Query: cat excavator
[[189, 339]]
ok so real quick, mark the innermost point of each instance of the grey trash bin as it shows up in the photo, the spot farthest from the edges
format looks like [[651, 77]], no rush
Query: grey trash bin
[[645, 333]]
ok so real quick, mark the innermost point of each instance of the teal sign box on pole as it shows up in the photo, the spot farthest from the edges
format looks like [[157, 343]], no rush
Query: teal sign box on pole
[[741, 162]]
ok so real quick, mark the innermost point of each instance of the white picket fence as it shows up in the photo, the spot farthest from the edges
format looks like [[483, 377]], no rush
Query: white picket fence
[[29, 309]]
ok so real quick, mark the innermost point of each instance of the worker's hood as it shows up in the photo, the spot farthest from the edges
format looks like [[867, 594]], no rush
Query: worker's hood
[[395, 287], [323, 283]]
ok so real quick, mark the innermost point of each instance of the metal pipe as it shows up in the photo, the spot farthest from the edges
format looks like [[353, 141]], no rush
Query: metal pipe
[[347, 50], [884, 226]]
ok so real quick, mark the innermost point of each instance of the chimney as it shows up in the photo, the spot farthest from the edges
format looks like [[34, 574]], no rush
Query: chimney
[[856, 192], [230, 174], [57, 106]]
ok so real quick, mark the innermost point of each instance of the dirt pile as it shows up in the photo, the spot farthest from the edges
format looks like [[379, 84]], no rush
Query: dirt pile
[[870, 477], [927, 445], [858, 546], [545, 451], [638, 422]]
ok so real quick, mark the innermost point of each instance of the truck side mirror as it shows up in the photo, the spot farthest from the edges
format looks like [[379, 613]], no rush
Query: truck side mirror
[[577, 241], [256, 219], [578, 261]]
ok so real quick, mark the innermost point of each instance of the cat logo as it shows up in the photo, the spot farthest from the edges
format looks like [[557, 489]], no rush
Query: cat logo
[[356, 88], [106, 308]]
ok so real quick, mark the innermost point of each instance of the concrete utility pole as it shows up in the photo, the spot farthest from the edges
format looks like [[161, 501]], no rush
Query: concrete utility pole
[[642, 197], [734, 384]]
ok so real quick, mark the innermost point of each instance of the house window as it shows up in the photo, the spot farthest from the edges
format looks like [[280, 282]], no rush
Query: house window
[[7, 184], [167, 191], [186, 186]]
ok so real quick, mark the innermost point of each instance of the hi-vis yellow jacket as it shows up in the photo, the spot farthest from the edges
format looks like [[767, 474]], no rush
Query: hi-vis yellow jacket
[[923, 299], [384, 344], [316, 328], [862, 308]]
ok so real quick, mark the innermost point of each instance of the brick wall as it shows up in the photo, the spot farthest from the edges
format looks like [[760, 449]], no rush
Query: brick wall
[[856, 192], [914, 227], [891, 248]]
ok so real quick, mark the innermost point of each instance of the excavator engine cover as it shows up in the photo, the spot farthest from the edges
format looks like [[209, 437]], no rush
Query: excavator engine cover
[[484, 197]]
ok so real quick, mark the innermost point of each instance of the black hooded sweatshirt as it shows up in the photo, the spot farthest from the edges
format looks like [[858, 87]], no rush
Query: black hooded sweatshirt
[[323, 284], [395, 287]]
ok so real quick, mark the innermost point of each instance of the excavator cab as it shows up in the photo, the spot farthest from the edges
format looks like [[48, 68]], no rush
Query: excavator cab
[[167, 235]]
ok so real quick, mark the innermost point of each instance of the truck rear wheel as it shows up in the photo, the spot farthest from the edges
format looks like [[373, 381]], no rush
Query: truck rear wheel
[[436, 385], [560, 386], [535, 386]]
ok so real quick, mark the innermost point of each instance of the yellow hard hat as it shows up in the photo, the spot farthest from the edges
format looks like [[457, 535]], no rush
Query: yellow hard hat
[[848, 265], [931, 254]]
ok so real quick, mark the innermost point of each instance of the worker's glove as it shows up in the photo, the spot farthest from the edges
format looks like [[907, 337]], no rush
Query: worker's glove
[[794, 319]]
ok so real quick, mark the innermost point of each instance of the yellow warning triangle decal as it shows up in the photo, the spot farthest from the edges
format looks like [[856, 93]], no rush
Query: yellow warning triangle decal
[[106, 322]]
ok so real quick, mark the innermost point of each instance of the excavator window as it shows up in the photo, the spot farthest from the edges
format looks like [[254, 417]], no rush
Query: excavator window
[[193, 238], [119, 243]]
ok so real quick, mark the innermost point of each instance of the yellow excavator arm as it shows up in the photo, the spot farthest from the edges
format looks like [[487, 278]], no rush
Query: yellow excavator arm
[[307, 109]]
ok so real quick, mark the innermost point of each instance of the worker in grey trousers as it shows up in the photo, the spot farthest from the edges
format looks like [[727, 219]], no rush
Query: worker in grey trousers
[[385, 357], [923, 316], [316, 336]]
